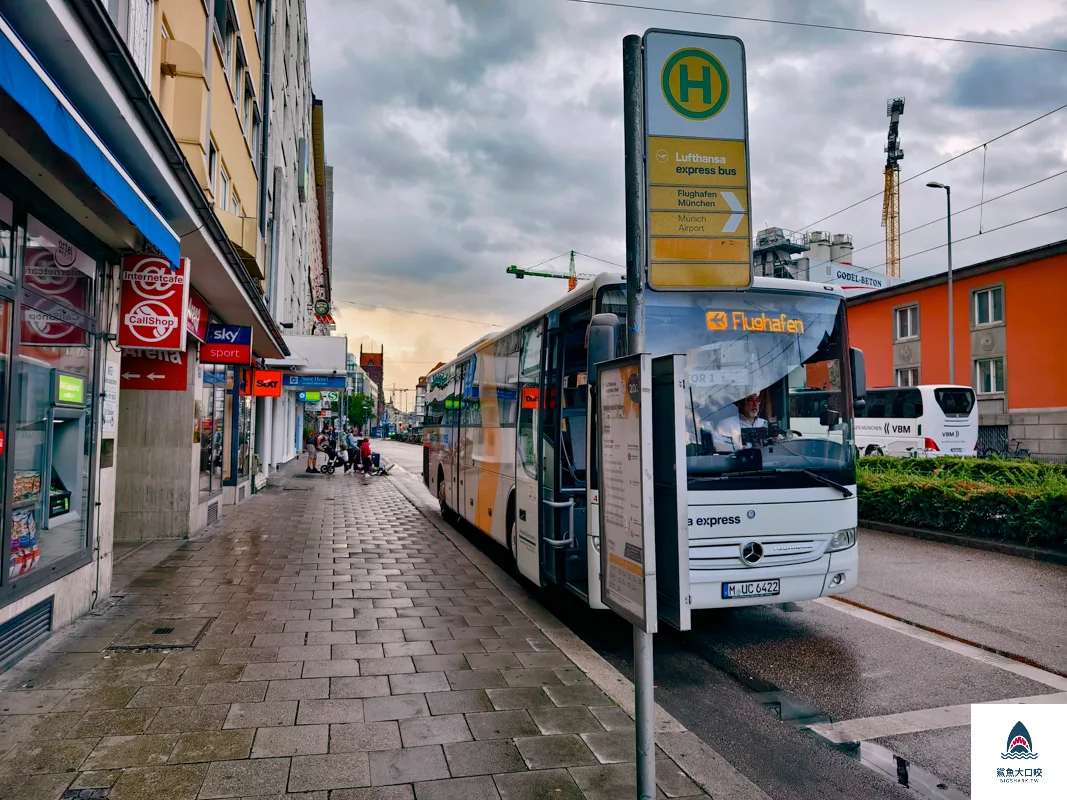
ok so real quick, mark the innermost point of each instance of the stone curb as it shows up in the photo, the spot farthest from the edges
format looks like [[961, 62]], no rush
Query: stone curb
[[962, 540], [714, 774]]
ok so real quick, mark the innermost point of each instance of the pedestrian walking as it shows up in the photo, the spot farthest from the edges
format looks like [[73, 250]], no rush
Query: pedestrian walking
[[311, 447]]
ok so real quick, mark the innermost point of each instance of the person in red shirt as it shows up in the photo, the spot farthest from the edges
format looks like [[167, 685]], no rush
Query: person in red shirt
[[366, 456]]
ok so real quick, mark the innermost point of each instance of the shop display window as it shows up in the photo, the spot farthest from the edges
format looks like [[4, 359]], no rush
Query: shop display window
[[212, 425], [7, 234], [50, 440]]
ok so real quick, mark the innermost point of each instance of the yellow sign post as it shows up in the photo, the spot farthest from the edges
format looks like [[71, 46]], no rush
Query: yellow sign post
[[696, 150]]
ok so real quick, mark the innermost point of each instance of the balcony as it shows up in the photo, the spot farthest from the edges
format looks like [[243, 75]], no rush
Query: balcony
[[244, 233]]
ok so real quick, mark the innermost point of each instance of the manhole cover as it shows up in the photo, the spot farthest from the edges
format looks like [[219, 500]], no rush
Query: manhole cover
[[150, 634]]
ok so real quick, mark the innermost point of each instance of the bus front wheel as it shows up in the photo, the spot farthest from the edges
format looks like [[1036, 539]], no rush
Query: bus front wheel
[[446, 512]]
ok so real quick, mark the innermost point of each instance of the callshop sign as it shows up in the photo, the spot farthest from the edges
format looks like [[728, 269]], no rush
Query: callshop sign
[[154, 303]]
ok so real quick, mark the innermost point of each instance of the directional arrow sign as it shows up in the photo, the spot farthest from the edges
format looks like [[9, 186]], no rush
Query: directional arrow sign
[[154, 370], [737, 216]]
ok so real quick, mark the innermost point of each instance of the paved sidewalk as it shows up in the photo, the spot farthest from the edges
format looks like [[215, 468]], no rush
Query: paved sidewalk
[[351, 652]]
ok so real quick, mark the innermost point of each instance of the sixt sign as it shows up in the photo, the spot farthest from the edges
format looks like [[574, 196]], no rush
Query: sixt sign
[[227, 344]]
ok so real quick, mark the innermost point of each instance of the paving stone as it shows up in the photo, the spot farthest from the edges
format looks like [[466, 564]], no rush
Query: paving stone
[[565, 720], [418, 683], [546, 752], [212, 746], [382, 637], [409, 765], [158, 696], [362, 737], [122, 722], [241, 692], [578, 695], [344, 668], [466, 702], [550, 783], [297, 740], [375, 793], [102, 697], [96, 779], [211, 674], [376, 686], [673, 782], [493, 661], [249, 655], [353, 651], [310, 773], [329, 711], [286, 670], [612, 718], [508, 699], [116, 752], [541, 660], [179, 719], [247, 778], [319, 652], [37, 701], [502, 725], [606, 782], [37, 727], [447, 647], [530, 677], [389, 666], [34, 787], [481, 788], [571, 675], [301, 689], [612, 747], [476, 679], [261, 715], [434, 730], [180, 782], [488, 757], [441, 663], [40, 757], [406, 706]]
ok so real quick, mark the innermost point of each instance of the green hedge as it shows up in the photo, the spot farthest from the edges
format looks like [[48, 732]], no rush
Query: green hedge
[[1012, 501]]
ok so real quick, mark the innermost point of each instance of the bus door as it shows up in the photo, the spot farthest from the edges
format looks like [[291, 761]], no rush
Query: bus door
[[565, 443], [470, 441], [525, 544], [456, 451]]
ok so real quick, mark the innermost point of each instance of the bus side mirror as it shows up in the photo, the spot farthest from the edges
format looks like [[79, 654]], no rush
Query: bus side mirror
[[600, 341], [859, 378], [829, 419]]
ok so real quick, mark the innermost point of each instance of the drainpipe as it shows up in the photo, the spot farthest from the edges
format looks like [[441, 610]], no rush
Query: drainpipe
[[264, 156]]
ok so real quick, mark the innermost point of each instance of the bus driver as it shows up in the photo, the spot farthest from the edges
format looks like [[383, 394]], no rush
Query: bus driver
[[726, 425]]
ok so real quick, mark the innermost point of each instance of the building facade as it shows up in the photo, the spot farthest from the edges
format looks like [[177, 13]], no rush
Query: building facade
[[1002, 309]]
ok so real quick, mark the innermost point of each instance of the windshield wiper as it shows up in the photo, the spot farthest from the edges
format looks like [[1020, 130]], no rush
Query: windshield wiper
[[815, 476]]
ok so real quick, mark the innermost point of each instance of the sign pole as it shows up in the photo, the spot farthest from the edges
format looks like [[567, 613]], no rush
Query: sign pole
[[633, 123]]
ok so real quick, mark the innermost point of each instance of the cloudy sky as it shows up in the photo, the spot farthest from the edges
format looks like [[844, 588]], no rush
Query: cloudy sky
[[467, 135]]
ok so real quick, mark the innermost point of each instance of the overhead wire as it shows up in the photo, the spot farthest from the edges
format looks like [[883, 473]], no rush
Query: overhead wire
[[936, 166], [820, 26], [601, 260], [981, 204]]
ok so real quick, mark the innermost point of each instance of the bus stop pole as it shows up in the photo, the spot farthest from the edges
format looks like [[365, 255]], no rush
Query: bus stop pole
[[633, 122]]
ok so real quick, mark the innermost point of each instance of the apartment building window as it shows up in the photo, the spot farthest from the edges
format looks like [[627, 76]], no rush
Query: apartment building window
[[256, 133], [989, 375], [226, 31], [223, 197], [246, 117], [989, 306], [908, 376], [212, 165], [235, 204], [260, 18], [906, 323]]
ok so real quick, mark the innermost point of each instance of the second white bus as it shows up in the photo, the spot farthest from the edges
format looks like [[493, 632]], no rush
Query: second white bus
[[922, 421]]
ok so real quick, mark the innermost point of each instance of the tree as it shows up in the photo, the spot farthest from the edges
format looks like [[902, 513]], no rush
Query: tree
[[359, 410]]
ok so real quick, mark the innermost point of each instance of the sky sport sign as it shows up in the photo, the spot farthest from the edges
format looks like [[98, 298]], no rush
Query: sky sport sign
[[153, 304]]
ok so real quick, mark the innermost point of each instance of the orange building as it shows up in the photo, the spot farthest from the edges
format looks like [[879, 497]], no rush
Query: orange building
[[1006, 342]]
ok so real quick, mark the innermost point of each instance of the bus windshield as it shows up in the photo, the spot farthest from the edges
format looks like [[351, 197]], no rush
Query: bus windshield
[[766, 397]]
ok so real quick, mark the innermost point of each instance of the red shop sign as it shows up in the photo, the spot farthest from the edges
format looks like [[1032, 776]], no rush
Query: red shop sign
[[154, 370], [66, 285], [266, 383], [154, 303], [198, 314]]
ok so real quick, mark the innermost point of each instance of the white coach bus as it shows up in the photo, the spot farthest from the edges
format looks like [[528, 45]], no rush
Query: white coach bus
[[510, 440], [921, 421]]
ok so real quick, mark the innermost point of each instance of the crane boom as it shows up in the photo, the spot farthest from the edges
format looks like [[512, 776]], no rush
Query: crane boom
[[571, 276], [891, 195]]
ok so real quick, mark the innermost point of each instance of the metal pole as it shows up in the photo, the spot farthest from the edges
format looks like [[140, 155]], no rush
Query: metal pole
[[951, 328], [633, 103]]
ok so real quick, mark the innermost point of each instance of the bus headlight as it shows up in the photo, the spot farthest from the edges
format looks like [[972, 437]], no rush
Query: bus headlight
[[842, 540]]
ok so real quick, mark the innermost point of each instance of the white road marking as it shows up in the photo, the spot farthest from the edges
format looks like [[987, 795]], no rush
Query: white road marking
[[1036, 674], [926, 719], [737, 216]]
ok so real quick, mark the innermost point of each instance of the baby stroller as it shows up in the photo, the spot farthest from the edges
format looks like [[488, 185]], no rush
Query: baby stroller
[[333, 461]]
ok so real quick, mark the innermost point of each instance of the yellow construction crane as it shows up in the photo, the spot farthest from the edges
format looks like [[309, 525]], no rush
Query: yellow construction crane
[[571, 276], [891, 198]]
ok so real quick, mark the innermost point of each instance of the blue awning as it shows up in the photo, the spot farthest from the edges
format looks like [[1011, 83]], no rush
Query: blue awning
[[22, 77]]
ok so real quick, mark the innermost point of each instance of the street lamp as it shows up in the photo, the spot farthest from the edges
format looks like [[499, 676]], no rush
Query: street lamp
[[951, 332]]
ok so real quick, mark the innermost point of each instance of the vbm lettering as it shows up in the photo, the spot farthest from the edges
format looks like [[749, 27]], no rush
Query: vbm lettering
[[711, 522]]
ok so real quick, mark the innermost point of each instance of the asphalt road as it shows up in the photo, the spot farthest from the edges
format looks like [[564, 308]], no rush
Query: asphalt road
[[750, 681]]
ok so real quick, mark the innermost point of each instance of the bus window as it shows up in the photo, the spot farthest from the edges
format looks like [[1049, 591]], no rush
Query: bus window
[[955, 402], [529, 396]]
